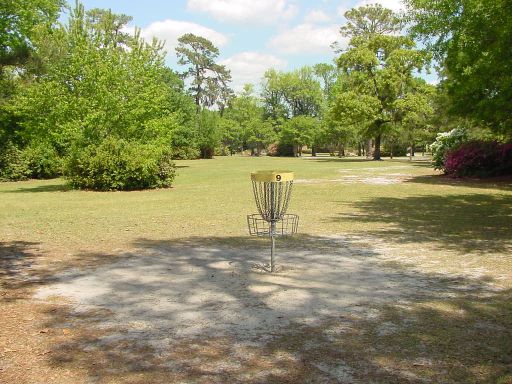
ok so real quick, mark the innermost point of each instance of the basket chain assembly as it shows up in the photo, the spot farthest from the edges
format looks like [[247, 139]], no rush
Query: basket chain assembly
[[272, 198]]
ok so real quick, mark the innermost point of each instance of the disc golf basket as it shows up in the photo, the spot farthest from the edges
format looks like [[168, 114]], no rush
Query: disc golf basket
[[272, 191]]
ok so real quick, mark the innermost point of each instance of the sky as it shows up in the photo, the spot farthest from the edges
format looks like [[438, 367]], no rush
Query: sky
[[252, 35]]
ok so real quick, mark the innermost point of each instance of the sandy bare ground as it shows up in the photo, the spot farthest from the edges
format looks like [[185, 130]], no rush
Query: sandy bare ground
[[187, 313], [179, 291]]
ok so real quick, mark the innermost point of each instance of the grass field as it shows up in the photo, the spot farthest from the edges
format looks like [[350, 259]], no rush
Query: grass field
[[455, 235]]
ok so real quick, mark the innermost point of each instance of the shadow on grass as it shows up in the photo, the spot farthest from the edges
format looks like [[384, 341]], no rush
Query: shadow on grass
[[196, 310], [425, 163], [491, 183], [40, 188], [468, 223]]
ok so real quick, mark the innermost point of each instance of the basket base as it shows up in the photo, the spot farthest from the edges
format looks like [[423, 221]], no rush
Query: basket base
[[287, 226]]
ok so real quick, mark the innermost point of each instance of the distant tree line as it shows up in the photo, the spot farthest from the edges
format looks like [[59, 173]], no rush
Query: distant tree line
[[88, 101]]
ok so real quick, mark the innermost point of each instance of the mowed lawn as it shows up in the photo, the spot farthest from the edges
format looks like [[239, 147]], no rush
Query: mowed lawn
[[458, 232]]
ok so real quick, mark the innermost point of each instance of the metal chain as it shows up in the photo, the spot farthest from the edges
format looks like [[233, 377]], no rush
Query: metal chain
[[272, 199]]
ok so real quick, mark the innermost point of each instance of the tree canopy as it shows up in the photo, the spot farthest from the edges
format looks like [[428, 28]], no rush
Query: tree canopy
[[19, 20], [471, 41], [209, 81]]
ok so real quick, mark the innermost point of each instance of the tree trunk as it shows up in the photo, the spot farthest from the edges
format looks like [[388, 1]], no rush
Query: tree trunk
[[295, 150], [206, 152], [313, 150], [359, 149], [369, 148], [376, 152], [341, 150]]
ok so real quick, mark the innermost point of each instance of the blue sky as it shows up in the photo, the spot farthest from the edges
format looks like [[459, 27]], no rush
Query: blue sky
[[252, 35]]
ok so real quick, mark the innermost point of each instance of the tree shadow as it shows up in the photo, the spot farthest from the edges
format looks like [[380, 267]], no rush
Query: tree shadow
[[334, 159], [423, 163], [197, 310], [469, 223], [492, 183], [16, 258], [23, 268], [40, 188]]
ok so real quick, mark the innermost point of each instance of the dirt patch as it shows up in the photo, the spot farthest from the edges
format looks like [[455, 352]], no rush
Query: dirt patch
[[390, 178], [189, 313], [200, 312]]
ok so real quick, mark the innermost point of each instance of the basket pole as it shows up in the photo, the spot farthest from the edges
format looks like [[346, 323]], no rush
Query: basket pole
[[272, 244]]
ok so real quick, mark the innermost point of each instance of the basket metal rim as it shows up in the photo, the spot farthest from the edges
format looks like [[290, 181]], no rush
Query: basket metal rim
[[264, 229]]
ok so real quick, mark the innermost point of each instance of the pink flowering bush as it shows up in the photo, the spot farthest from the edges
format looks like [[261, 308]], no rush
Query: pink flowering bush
[[479, 158]]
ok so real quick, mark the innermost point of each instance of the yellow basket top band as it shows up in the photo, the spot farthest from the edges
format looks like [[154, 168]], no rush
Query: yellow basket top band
[[272, 176]]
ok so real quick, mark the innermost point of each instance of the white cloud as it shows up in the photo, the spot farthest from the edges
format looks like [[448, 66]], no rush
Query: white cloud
[[341, 10], [249, 67], [316, 16], [246, 11], [170, 30], [306, 38]]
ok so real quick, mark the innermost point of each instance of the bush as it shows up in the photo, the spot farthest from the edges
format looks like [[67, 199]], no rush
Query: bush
[[278, 149], [13, 164], [397, 151], [480, 158], [117, 164], [222, 150], [43, 160], [185, 153], [38, 160], [445, 142]]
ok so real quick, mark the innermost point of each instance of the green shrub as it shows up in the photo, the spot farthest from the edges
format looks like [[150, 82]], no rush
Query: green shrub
[[445, 142], [185, 153], [222, 150], [183, 143], [43, 160], [117, 164], [13, 164], [397, 151], [278, 149]]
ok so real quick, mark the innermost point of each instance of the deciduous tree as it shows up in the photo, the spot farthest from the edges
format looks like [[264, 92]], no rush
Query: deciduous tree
[[471, 40], [379, 67]]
